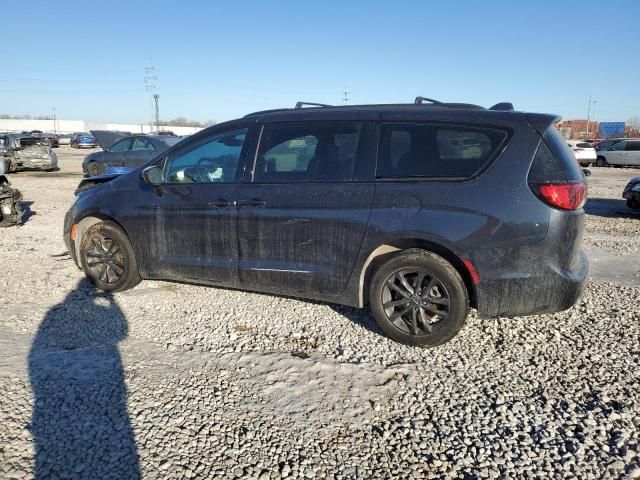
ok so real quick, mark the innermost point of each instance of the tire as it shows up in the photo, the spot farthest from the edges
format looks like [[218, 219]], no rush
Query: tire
[[102, 262], [93, 169], [387, 288], [633, 204], [601, 162]]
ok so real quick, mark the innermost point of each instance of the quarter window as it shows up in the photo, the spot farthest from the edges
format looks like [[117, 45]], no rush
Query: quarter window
[[141, 144], [436, 150], [314, 152], [212, 160]]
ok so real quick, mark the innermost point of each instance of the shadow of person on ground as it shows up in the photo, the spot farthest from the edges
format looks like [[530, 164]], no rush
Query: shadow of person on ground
[[80, 424]]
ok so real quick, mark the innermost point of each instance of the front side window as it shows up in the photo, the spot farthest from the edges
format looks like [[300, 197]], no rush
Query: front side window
[[619, 146], [424, 150], [211, 160], [121, 146], [313, 152]]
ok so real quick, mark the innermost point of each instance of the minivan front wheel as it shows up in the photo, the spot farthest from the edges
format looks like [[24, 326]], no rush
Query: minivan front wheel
[[107, 258], [419, 299]]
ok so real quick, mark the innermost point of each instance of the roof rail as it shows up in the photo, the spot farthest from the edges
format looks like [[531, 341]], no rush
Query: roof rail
[[420, 100], [503, 106], [299, 105]]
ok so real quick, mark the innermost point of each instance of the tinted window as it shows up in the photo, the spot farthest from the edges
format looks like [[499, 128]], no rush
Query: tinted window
[[563, 154], [436, 150], [121, 146], [584, 145], [313, 152], [619, 146], [141, 144], [633, 146], [211, 160]]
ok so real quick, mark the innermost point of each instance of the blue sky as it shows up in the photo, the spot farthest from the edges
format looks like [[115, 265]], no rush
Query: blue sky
[[218, 60]]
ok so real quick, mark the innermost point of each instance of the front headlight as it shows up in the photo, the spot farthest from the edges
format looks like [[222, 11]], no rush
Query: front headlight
[[636, 188]]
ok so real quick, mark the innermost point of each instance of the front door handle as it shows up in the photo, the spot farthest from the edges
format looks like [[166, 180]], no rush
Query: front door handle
[[254, 202], [221, 203]]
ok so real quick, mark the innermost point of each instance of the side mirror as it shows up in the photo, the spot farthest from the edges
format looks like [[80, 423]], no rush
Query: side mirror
[[153, 175], [586, 172]]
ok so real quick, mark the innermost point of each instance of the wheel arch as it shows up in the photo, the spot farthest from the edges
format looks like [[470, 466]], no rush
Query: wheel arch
[[385, 251]]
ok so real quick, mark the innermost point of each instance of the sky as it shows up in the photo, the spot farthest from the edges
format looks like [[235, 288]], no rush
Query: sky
[[217, 60]]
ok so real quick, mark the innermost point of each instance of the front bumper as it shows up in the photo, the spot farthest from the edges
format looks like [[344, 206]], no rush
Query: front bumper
[[553, 291], [66, 234]]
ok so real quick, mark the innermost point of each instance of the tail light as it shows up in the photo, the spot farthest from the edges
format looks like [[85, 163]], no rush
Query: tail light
[[578, 149], [565, 196]]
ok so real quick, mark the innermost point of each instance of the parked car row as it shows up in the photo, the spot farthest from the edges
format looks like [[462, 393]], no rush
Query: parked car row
[[614, 152], [123, 150]]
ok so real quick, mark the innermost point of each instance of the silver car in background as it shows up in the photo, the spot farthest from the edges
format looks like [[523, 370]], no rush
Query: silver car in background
[[19, 151], [624, 153]]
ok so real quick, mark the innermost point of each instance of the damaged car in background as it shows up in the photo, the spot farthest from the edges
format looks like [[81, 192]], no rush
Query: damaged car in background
[[21, 151], [123, 152], [10, 212]]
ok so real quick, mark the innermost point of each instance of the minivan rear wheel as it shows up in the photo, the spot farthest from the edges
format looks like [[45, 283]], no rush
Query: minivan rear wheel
[[107, 258], [419, 299]]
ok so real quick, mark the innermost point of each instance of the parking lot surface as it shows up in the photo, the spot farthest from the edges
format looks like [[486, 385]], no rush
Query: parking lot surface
[[180, 381]]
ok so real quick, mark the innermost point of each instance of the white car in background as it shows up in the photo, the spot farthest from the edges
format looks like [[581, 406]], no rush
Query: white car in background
[[625, 153], [584, 152]]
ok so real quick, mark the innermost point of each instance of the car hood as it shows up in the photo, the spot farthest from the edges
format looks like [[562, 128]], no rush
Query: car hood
[[106, 138], [635, 180], [91, 182]]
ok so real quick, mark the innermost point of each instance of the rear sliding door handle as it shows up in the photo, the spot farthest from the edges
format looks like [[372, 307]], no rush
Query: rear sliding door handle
[[254, 202]]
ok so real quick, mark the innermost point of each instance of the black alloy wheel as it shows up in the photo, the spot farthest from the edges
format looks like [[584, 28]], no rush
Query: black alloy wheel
[[105, 259], [418, 298], [415, 301]]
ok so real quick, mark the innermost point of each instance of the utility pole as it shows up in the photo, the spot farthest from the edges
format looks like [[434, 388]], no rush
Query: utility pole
[[150, 86], [156, 97], [54, 121], [589, 113], [345, 97]]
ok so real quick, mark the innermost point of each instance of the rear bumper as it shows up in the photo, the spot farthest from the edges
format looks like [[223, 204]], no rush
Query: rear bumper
[[37, 163], [548, 292]]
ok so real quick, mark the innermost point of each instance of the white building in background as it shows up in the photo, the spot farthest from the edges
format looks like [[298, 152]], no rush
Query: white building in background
[[72, 126]]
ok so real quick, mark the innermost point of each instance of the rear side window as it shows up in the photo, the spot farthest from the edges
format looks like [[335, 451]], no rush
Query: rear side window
[[583, 145], [314, 152], [633, 146], [427, 150]]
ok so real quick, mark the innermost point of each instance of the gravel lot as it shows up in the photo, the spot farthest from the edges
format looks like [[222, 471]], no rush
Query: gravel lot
[[179, 381]]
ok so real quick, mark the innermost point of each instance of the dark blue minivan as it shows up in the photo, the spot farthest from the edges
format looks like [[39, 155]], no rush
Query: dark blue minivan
[[419, 211]]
